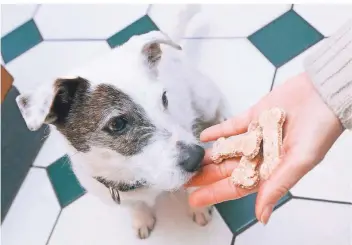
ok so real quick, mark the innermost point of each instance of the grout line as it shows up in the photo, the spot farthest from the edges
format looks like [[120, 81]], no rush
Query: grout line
[[78, 197], [53, 188], [36, 11], [267, 58], [273, 81], [212, 38], [148, 9], [54, 226], [311, 26], [75, 40], [40, 33], [253, 222], [40, 167], [284, 202], [233, 239], [304, 50], [321, 200], [247, 226]]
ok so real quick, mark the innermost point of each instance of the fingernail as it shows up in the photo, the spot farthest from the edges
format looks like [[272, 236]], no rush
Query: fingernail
[[264, 218]]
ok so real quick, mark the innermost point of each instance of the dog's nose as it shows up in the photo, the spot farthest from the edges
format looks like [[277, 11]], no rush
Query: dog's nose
[[190, 157]]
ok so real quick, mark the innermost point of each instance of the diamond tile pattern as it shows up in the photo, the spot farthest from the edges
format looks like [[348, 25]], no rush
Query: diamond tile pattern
[[79, 224], [236, 76], [324, 17], [53, 148], [141, 26], [33, 212], [306, 225], [75, 21], [219, 20], [240, 47], [64, 181], [20, 40], [19, 147], [285, 37], [239, 214], [63, 57], [295, 66], [330, 171], [14, 15]]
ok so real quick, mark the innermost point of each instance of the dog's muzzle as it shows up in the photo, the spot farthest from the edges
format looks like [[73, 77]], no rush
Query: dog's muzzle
[[190, 156]]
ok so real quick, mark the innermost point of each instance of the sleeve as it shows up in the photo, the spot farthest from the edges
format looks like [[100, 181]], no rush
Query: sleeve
[[330, 69]]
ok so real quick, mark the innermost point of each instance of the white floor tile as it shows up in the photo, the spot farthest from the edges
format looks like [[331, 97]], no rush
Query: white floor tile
[[242, 73], [304, 223], [166, 16], [220, 20], [14, 15], [326, 18], [33, 212], [295, 66], [62, 21], [49, 60], [88, 221], [331, 179], [53, 148]]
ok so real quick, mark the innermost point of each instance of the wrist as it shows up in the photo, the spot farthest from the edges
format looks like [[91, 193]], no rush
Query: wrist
[[330, 70]]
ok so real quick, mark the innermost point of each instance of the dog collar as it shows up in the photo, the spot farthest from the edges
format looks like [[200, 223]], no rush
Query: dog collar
[[115, 187]]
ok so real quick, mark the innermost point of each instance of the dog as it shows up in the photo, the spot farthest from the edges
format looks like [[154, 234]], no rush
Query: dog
[[132, 119]]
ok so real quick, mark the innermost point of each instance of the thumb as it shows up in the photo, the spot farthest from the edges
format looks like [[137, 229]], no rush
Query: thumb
[[289, 171]]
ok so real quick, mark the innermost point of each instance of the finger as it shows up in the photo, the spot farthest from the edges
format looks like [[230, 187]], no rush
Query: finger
[[234, 126], [213, 172], [220, 191], [207, 157], [287, 174]]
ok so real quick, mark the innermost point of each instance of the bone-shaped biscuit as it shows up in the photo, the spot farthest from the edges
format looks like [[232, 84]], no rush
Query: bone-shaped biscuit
[[246, 174], [247, 144], [271, 121]]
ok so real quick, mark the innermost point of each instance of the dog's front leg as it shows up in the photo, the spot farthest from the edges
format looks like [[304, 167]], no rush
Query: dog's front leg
[[202, 216], [143, 219]]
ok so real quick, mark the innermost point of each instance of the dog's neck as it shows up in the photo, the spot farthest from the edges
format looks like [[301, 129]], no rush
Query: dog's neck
[[115, 187]]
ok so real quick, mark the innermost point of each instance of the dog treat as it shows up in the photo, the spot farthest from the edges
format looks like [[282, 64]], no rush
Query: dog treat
[[271, 122], [247, 145], [246, 174]]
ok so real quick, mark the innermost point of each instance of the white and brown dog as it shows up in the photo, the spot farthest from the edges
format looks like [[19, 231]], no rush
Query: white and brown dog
[[133, 118]]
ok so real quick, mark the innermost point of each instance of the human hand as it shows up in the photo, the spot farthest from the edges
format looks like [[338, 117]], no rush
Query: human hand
[[310, 130]]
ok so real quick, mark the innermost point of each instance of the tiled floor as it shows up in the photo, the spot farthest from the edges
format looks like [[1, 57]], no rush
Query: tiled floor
[[246, 49]]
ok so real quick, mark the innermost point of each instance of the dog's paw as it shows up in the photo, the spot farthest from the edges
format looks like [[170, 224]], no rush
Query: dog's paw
[[144, 226], [202, 216]]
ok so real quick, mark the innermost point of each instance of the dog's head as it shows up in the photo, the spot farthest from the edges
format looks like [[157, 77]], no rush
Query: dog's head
[[125, 114]]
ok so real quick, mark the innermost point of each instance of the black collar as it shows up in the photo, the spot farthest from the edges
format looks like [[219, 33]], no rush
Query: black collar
[[115, 187]]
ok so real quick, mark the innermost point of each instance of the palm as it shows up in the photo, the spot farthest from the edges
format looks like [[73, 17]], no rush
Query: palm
[[309, 131]]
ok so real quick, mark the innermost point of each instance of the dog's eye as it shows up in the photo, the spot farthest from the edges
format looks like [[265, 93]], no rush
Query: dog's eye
[[164, 99], [117, 124]]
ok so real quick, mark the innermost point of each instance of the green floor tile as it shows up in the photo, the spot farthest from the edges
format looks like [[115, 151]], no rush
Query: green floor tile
[[19, 148], [284, 38], [64, 181], [140, 26], [20, 40], [240, 214]]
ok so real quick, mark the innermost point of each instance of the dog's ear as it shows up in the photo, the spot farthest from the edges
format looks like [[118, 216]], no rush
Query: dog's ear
[[49, 103], [151, 47]]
